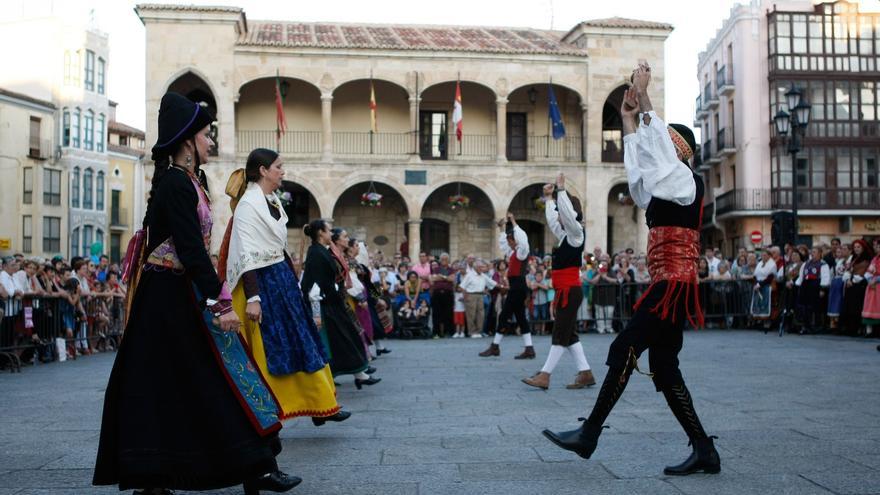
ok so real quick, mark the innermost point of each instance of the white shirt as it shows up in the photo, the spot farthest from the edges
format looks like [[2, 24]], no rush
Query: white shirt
[[458, 305], [522, 244], [8, 283], [653, 168], [474, 281], [764, 270], [824, 275], [713, 265], [563, 220], [22, 282]]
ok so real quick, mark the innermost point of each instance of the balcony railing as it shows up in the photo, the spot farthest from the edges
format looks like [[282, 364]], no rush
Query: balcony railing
[[831, 198], [710, 100], [743, 200], [724, 81], [707, 150], [39, 149], [292, 142], [724, 144], [699, 112], [545, 147]]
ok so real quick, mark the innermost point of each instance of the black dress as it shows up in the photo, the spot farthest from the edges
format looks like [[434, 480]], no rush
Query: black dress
[[170, 418], [347, 353]]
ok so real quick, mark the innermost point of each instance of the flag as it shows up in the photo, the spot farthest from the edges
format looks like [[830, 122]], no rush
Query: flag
[[456, 111], [373, 125], [280, 121], [555, 116]]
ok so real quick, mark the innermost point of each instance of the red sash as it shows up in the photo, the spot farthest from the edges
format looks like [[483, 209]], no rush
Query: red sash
[[563, 280]]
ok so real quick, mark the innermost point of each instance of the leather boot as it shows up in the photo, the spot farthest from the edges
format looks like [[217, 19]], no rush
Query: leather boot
[[582, 380], [581, 441], [277, 481], [704, 458], [527, 353], [539, 380], [493, 350]]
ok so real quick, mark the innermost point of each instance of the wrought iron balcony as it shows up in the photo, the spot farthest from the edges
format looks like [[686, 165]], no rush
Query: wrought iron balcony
[[724, 143], [700, 111], [710, 99], [39, 149], [743, 200], [765, 200], [724, 81]]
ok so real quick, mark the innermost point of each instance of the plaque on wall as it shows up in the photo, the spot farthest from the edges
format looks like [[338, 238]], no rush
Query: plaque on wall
[[380, 240], [415, 177]]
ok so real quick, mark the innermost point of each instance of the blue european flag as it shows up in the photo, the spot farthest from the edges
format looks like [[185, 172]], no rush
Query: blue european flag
[[555, 116]]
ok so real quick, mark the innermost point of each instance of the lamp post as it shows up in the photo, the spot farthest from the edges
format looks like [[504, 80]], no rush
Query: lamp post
[[795, 122]]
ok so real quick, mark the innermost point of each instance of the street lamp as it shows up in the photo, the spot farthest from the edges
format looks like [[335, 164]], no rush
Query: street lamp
[[795, 122]]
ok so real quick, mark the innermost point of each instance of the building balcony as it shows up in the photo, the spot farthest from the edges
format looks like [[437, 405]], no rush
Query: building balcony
[[766, 200], [39, 149], [118, 219], [700, 112], [710, 99], [743, 200], [724, 143], [710, 153], [724, 82]]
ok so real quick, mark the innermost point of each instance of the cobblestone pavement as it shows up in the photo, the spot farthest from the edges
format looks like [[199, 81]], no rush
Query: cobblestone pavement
[[793, 415]]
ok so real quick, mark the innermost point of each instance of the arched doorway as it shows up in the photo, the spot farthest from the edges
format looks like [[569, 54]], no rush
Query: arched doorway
[[382, 227], [301, 209], [434, 234], [529, 132], [471, 228], [437, 138], [529, 212], [623, 227], [353, 132], [196, 89], [612, 127]]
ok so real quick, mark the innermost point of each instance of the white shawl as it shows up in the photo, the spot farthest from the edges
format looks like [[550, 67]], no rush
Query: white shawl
[[257, 239]]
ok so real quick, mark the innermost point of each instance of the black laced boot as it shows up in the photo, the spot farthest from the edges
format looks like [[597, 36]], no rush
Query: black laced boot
[[704, 456]]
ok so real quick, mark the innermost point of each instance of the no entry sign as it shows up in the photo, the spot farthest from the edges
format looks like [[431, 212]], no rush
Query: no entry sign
[[756, 237]]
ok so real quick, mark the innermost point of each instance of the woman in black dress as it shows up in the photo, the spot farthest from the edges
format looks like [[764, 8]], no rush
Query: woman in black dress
[[175, 414]]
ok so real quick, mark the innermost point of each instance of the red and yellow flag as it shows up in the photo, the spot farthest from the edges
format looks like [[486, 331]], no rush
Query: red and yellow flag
[[280, 121], [373, 124]]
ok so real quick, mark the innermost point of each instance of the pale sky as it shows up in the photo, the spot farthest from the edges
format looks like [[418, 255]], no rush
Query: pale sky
[[695, 22]]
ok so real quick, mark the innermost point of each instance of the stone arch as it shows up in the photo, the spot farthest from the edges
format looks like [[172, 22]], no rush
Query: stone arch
[[485, 85], [487, 188], [271, 75], [302, 208], [612, 126], [413, 207], [381, 227], [401, 84], [255, 116], [565, 86], [470, 229], [351, 116], [193, 85], [623, 219]]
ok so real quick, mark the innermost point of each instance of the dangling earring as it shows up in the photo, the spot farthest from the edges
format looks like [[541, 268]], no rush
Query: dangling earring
[[189, 160]]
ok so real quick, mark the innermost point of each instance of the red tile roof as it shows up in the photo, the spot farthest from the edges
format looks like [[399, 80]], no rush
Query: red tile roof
[[120, 128], [622, 22]]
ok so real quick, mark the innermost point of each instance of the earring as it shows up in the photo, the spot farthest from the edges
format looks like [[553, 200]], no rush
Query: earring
[[189, 160]]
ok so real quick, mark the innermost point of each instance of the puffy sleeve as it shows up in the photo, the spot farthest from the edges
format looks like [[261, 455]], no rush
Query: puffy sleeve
[[522, 243], [662, 174], [637, 191], [178, 200], [502, 245], [567, 216], [553, 219]]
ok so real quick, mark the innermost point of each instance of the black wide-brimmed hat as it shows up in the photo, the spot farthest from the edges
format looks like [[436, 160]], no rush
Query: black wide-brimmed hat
[[179, 119]]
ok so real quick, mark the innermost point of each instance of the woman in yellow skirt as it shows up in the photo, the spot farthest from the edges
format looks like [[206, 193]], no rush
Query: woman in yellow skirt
[[278, 324]]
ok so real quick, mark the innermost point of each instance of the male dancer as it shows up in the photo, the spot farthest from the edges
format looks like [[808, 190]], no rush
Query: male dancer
[[564, 219], [661, 181], [514, 245]]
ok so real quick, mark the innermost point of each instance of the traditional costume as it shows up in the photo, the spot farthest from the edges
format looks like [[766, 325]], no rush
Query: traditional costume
[[515, 303], [185, 407], [285, 343], [660, 180], [565, 224], [835, 292], [814, 277], [761, 307], [871, 309], [854, 294]]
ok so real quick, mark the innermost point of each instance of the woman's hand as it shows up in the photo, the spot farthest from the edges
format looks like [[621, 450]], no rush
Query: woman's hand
[[229, 322], [254, 311]]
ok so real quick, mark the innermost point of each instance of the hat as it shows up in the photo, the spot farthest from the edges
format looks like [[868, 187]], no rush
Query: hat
[[179, 119], [683, 139]]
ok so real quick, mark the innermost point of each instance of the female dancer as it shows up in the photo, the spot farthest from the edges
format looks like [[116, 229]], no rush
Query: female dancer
[[279, 328], [357, 295], [185, 408], [324, 269]]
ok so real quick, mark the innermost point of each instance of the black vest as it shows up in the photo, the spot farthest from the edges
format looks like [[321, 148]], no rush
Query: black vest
[[663, 213], [566, 256]]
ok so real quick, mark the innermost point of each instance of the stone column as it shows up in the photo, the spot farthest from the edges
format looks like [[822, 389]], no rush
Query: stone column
[[501, 129], [413, 237], [585, 119], [413, 125], [326, 128]]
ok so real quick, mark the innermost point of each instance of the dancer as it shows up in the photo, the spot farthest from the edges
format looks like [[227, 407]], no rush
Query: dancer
[[357, 296], [329, 272], [514, 245], [564, 218], [661, 181], [184, 408], [279, 328]]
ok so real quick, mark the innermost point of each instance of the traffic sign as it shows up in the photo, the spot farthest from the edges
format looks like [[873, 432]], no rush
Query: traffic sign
[[756, 237]]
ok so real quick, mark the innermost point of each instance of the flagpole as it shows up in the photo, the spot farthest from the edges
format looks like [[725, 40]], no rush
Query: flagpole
[[277, 124], [372, 110], [460, 143], [549, 109]]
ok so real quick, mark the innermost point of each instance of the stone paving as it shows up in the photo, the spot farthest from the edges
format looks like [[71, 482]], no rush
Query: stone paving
[[794, 415]]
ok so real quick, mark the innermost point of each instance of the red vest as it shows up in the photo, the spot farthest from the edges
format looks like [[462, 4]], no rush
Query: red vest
[[514, 266]]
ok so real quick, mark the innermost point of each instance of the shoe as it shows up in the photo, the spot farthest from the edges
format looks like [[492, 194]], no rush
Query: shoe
[[435, 337], [477, 336], [338, 417], [370, 370], [704, 458], [370, 381], [527, 353], [379, 352], [582, 380], [272, 482], [539, 380], [581, 441], [493, 350]]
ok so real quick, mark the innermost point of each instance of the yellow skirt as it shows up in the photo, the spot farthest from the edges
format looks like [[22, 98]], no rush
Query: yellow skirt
[[298, 394]]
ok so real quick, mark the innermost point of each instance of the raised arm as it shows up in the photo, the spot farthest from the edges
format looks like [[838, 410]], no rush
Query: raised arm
[[629, 110], [567, 216]]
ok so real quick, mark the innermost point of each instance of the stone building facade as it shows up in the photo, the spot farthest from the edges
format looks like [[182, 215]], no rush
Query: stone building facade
[[413, 159]]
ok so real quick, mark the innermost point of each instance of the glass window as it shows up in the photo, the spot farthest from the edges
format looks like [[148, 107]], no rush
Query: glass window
[[844, 168], [99, 134], [99, 192], [869, 168], [841, 101], [75, 129], [433, 139], [51, 234], [74, 188], [90, 70], [817, 166], [27, 194], [101, 67], [802, 172], [784, 169], [51, 187], [99, 238], [27, 233], [65, 128], [868, 108], [87, 233], [817, 100], [87, 189], [89, 131], [74, 242]]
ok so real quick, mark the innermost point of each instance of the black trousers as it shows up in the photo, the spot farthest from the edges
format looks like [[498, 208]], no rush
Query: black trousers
[[514, 306], [441, 302], [565, 326], [662, 338]]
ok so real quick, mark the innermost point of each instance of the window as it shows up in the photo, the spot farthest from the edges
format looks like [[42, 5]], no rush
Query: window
[[51, 234], [868, 111], [65, 128], [87, 232], [433, 138], [123, 140], [115, 248], [99, 134], [89, 131], [99, 238], [74, 242], [27, 193], [101, 67], [34, 148], [68, 77], [27, 233], [51, 187], [99, 192], [74, 188], [75, 129], [90, 70], [87, 189]]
